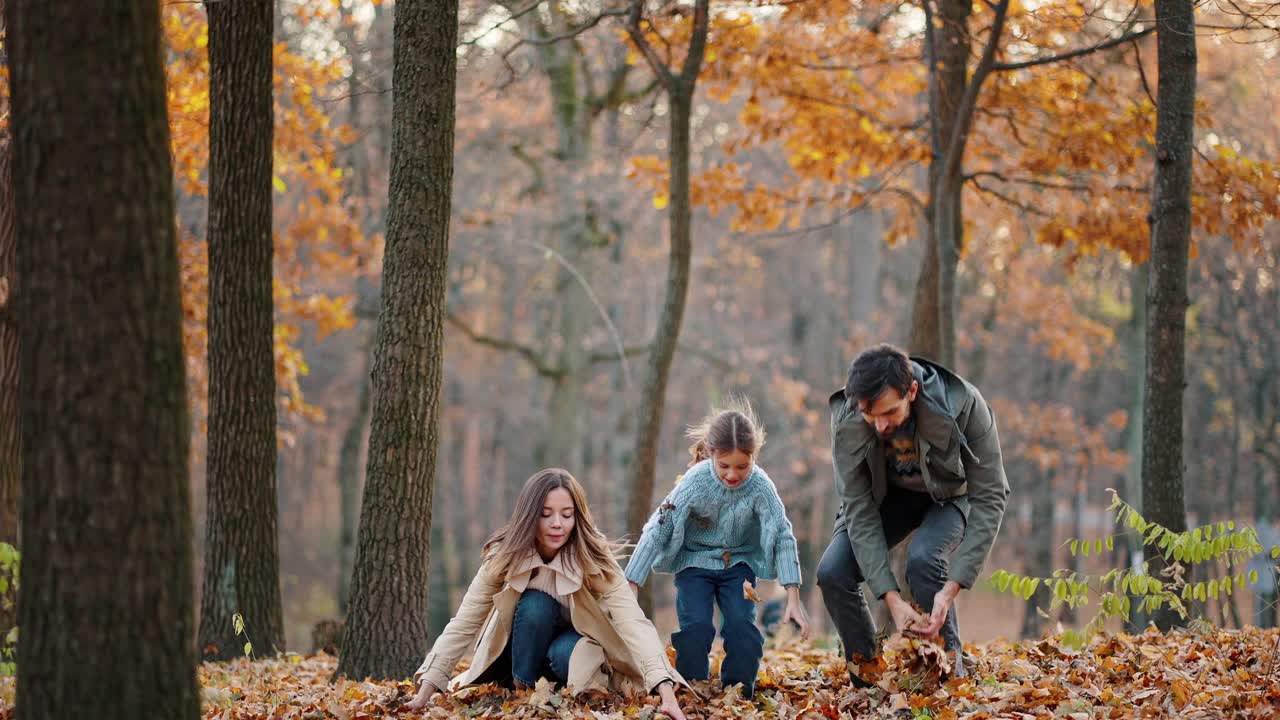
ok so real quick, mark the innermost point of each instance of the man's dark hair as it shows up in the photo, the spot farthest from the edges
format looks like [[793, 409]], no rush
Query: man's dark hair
[[876, 370]]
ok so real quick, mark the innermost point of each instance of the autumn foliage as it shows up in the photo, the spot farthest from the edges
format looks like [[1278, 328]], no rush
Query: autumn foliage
[[1209, 674], [838, 92], [318, 246]]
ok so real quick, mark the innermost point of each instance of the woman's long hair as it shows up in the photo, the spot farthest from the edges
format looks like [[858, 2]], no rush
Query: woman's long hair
[[586, 549]]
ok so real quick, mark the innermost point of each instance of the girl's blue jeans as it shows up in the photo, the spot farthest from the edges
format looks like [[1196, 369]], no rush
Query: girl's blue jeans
[[698, 591]]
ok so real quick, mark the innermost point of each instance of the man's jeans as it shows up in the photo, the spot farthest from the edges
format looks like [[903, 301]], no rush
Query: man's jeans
[[697, 592], [939, 529], [541, 642]]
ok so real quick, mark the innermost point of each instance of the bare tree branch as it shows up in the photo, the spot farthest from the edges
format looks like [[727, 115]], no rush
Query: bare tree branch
[[1011, 201], [710, 357], [1046, 184], [573, 32], [511, 15], [656, 63], [1142, 73], [968, 101], [1080, 52], [529, 354], [850, 106], [698, 44]]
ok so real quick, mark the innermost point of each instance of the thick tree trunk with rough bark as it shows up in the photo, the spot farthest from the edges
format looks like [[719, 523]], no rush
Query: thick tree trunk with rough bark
[[10, 427], [241, 559], [349, 490], [1162, 462], [386, 630], [105, 604]]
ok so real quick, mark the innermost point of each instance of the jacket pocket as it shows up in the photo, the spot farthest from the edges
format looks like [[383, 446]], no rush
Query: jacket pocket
[[947, 466]]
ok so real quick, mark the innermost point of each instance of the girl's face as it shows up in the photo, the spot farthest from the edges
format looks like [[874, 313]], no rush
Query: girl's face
[[556, 523], [732, 467]]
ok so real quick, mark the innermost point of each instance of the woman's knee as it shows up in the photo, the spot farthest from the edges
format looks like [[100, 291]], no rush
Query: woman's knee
[[536, 605], [561, 652]]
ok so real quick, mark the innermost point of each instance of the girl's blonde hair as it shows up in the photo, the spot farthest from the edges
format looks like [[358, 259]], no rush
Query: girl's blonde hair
[[586, 549], [733, 427]]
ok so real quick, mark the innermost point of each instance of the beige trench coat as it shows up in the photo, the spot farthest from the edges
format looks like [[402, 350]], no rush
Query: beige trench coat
[[619, 650]]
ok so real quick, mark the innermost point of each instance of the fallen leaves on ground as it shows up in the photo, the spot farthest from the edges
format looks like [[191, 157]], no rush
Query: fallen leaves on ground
[[1214, 674]]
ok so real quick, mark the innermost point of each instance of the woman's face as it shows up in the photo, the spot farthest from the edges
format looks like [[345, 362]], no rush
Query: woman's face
[[556, 523], [732, 467]]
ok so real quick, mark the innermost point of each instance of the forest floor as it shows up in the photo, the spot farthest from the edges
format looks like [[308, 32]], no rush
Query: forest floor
[[1207, 674]]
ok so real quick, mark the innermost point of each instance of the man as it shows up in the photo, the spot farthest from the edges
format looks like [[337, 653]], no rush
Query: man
[[915, 448]]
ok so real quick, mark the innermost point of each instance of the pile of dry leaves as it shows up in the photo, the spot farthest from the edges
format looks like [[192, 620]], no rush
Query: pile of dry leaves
[[1212, 674]]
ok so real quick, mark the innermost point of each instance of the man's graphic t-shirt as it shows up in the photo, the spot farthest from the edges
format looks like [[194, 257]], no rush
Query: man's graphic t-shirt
[[902, 458]]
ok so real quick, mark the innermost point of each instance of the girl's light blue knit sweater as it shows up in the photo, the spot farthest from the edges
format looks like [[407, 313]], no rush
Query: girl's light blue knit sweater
[[702, 519]]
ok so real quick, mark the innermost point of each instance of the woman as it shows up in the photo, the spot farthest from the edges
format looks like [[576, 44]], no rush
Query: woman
[[550, 601]]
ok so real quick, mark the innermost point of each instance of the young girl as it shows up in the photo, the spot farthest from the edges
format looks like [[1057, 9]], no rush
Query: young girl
[[550, 601], [722, 527]]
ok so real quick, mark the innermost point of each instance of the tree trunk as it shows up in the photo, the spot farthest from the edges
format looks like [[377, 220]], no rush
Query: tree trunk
[[865, 263], [1136, 351], [1040, 563], [349, 489], [1070, 614], [926, 334], [1162, 497], [10, 427], [387, 620], [105, 604], [1228, 508], [950, 56], [242, 566], [653, 394], [574, 232]]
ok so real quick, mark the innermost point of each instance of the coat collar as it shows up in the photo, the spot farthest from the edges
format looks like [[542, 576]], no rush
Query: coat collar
[[568, 575]]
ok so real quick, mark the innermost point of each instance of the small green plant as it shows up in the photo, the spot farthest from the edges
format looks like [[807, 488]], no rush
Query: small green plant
[[1222, 543], [237, 623], [10, 559]]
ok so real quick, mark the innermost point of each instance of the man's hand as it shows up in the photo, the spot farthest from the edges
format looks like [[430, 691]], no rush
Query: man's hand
[[941, 604], [904, 616], [419, 701], [635, 589]]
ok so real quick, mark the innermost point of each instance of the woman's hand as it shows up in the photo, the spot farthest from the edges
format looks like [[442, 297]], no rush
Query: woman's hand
[[670, 706], [419, 701], [795, 612]]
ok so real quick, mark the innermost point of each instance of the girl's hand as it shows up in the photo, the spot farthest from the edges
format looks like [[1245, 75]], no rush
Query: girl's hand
[[670, 706], [419, 701], [795, 612]]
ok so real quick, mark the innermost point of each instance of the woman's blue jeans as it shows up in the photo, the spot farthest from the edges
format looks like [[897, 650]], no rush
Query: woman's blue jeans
[[541, 643], [698, 591]]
